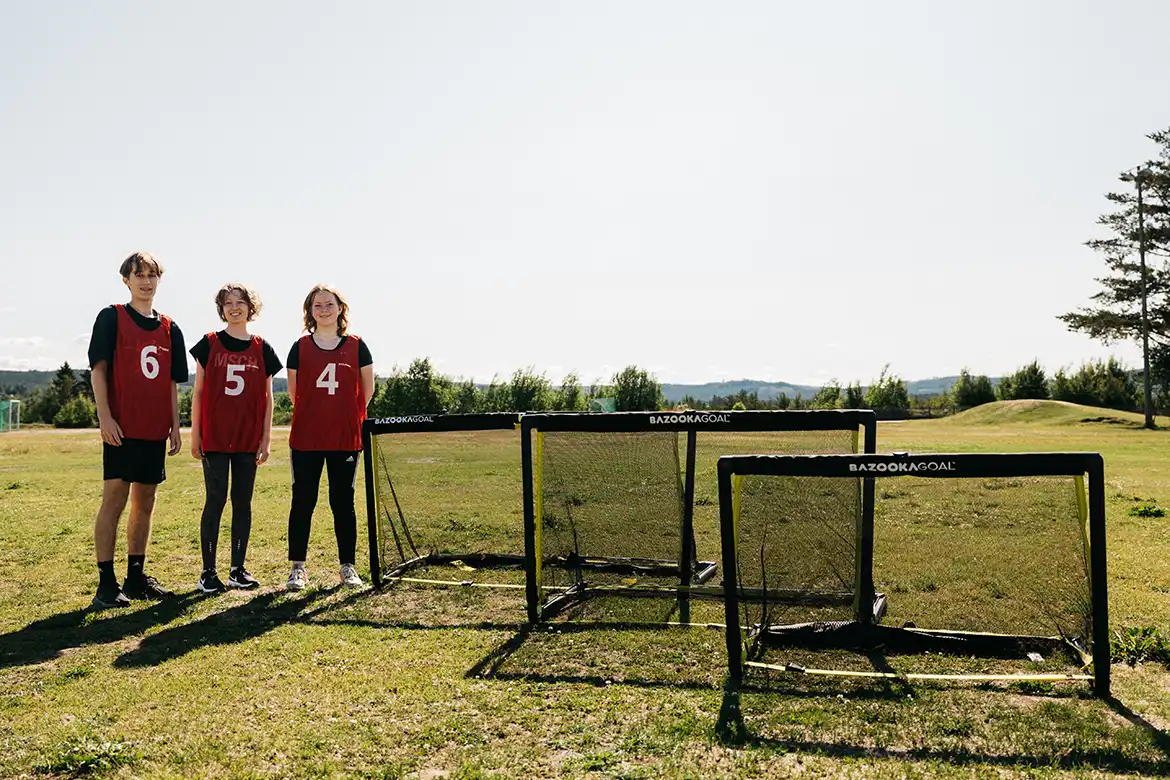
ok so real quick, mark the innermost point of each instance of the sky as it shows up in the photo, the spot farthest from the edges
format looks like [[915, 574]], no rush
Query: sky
[[782, 191]]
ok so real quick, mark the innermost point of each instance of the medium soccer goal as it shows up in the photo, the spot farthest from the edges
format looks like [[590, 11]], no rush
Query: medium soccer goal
[[993, 564], [624, 505], [443, 499]]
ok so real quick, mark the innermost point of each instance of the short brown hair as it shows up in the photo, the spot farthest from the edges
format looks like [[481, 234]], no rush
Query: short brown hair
[[342, 314], [138, 261], [247, 293]]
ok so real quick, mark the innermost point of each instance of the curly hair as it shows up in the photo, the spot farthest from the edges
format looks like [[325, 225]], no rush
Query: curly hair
[[342, 305], [244, 291], [139, 261]]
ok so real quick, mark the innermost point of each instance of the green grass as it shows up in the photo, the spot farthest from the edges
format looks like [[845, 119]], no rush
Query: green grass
[[448, 683]]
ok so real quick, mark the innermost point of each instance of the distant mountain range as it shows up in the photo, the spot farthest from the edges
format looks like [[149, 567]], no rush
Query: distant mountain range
[[673, 392], [771, 390]]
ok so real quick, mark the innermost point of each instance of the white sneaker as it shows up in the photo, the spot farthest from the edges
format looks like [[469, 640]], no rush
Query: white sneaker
[[298, 579], [349, 576]]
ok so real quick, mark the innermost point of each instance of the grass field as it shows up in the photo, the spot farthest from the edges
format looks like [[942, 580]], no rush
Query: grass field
[[425, 682]]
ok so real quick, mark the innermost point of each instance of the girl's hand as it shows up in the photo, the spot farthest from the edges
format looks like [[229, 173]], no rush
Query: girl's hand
[[196, 446], [262, 452]]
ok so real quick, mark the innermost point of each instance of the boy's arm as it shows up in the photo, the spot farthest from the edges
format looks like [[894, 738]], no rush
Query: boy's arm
[[266, 437], [176, 438], [197, 412], [292, 386], [100, 379]]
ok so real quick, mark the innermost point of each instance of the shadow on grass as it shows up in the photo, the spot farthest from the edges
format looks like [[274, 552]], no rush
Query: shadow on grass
[[240, 623], [731, 730], [1104, 759], [493, 665], [45, 640]]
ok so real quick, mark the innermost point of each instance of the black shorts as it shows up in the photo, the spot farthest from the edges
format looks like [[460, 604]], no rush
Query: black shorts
[[136, 460]]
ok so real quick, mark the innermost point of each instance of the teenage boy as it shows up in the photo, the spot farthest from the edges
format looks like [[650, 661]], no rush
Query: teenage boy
[[138, 358]]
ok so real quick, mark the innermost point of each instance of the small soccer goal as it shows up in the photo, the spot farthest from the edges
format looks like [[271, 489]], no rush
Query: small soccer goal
[[624, 506], [9, 415], [992, 566], [443, 499]]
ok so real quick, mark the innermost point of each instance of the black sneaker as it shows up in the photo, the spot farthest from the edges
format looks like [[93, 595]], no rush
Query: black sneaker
[[241, 579], [145, 587], [110, 596], [209, 582]]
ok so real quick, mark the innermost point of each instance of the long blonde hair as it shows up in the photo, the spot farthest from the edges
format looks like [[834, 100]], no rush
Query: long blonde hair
[[342, 314]]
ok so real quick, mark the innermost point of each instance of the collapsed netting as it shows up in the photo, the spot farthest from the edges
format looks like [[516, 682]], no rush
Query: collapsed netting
[[970, 564], [444, 500], [634, 513]]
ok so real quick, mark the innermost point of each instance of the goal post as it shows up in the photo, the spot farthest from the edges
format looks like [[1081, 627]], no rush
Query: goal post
[[624, 504], [995, 556]]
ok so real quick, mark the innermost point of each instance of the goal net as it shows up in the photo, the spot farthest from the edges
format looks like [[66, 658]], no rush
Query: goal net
[[992, 566], [624, 505], [443, 499]]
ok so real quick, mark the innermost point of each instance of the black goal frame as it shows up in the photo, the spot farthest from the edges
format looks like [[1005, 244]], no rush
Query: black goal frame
[[944, 465], [691, 573]]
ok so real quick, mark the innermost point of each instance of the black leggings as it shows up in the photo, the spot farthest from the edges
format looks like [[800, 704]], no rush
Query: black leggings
[[342, 470], [215, 478]]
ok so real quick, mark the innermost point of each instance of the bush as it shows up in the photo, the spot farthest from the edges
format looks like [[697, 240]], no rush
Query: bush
[[971, 391], [79, 412], [1108, 384], [1030, 381], [888, 392], [635, 390], [281, 409], [530, 391], [828, 397]]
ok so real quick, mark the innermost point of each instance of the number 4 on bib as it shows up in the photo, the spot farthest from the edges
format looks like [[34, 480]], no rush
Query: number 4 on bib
[[328, 379]]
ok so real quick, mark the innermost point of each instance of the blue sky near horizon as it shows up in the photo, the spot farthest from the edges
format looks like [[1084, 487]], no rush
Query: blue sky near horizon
[[776, 190]]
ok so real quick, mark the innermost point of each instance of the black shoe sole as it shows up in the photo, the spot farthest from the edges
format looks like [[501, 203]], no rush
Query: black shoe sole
[[237, 586], [208, 591], [99, 604]]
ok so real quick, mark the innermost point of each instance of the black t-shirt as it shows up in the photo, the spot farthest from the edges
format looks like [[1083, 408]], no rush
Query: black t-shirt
[[364, 356], [202, 350], [105, 338]]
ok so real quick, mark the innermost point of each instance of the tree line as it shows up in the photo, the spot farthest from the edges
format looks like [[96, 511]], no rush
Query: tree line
[[67, 402]]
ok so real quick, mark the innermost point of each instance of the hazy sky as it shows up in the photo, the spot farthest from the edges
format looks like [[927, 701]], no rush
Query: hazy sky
[[775, 190]]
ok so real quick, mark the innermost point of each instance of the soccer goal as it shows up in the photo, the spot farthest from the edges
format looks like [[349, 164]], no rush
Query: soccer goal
[[443, 499], [993, 564], [624, 505], [9, 415]]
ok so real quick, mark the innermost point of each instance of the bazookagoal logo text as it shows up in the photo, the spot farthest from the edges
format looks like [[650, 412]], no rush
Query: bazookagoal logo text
[[685, 418], [905, 467]]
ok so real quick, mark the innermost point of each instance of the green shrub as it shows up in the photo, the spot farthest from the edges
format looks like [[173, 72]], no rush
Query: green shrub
[[79, 412]]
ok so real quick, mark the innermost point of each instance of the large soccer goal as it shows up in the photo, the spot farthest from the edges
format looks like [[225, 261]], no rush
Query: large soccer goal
[[443, 499], [625, 505], [993, 564]]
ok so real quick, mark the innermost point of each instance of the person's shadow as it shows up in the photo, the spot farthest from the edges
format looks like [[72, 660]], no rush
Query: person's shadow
[[48, 639], [236, 624]]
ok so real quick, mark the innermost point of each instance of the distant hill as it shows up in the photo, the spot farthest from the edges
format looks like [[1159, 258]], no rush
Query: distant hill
[[26, 379], [1048, 413], [769, 390], [765, 390]]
